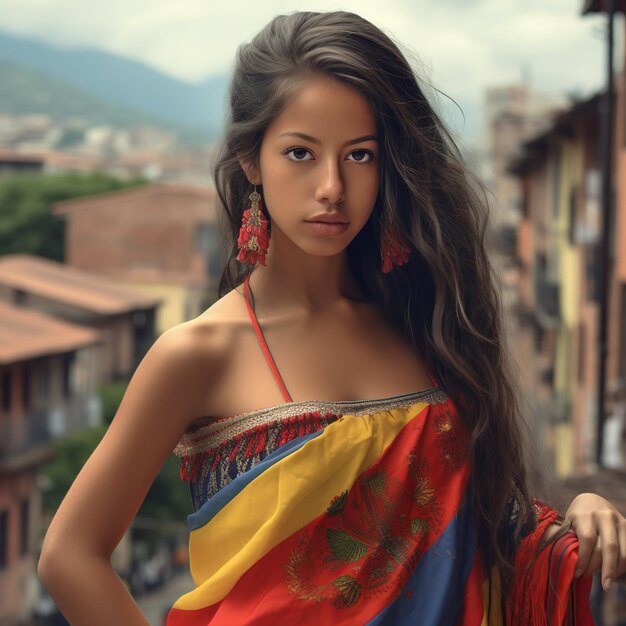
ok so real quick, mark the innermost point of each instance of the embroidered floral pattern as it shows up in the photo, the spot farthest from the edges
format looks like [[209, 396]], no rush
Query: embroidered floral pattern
[[215, 454], [453, 450], [213, 468], [371, 535]]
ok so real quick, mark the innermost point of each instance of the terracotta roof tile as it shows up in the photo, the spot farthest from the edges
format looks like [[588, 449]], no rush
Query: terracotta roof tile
[[27, 334], [25, 157], [151, 275], [122, 196], [75, 287]]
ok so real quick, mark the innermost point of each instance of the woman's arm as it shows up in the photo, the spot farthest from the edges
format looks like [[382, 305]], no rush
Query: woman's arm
[[162, 398]]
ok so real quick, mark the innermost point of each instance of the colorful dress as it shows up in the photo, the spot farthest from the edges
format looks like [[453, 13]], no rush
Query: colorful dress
[[353, 513]]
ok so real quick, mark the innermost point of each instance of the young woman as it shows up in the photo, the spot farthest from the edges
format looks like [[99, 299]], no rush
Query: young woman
[[345, 413]]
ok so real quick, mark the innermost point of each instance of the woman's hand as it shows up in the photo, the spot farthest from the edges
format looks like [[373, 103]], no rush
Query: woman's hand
[[601, 532]]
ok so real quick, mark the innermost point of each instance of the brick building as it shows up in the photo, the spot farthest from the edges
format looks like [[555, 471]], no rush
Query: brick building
[[124, 317], [557, 246], [48, 377], [161, 239]]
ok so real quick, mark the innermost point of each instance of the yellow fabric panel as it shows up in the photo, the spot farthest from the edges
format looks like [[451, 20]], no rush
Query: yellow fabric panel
[[284, 498]]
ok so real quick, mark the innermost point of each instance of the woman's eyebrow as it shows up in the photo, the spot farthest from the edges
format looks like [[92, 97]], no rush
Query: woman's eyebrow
[[317, 141]]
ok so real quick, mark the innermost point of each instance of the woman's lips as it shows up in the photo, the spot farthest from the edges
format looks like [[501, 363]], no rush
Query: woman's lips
[[328, 228]]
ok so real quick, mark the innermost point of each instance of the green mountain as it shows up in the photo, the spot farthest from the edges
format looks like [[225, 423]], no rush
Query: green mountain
[[24, 90], [124, 82]]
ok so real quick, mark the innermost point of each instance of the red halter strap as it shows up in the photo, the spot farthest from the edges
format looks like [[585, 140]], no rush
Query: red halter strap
[[259, 334], [433, 380]]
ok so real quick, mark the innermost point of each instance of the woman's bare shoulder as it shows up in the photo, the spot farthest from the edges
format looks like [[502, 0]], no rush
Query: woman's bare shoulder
[[230, 307], [167, 391], [214, 328], [207, 341]]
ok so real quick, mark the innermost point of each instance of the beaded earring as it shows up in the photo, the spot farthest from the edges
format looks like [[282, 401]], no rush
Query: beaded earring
[[254, 237], [393, 251]]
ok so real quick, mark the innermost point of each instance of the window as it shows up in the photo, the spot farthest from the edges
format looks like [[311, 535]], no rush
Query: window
[[45, 381], [208, 243], [203, 238], [6, 391], [24, 526], [589, 225], [571, 234], [67, 372], [4, 540], [555, 181], [139, 318], [26, 387], [19, 297], [622, 364]]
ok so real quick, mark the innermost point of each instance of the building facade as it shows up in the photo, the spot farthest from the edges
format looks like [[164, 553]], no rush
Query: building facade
[[160, 239], [558, 250], [48, 384], [124, 317]]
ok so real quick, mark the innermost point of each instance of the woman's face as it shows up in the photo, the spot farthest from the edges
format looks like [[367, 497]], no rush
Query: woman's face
[[320, 157]]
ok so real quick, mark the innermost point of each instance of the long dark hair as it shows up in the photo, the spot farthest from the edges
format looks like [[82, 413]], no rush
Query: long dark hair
[[445, 301]]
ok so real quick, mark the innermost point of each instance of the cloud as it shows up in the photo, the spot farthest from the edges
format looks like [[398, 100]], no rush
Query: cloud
[[462, 46], [192, 38]]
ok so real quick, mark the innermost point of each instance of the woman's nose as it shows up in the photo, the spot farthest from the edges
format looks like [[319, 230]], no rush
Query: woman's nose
[[330, 187]]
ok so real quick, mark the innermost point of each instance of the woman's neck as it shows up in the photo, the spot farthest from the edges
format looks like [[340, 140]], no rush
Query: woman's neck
[[315, 284]]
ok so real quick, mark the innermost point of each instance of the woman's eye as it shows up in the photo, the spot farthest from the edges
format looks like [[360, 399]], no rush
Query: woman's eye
[[298, 153], [364, 156]]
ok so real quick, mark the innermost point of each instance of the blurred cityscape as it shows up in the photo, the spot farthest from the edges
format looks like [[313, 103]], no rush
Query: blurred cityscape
[[109, 236]]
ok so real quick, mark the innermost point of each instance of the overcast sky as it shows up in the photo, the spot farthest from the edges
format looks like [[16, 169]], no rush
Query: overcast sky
[[463, 45]]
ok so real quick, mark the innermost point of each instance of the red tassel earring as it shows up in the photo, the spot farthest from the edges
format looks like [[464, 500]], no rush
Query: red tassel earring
[[254, 238], [393, 251]]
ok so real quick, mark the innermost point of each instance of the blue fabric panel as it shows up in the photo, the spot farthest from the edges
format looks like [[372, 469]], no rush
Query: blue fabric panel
[[212, 506], [433, 594]]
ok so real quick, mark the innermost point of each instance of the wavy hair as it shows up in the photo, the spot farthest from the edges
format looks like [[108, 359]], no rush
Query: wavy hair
[[445, 301]]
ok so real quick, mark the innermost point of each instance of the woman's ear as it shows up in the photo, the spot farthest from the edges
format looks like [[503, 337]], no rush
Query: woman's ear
[[251, 170]]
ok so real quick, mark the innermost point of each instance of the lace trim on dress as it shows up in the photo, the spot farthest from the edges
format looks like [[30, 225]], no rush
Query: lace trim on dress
[[215, 454], [222, 430]]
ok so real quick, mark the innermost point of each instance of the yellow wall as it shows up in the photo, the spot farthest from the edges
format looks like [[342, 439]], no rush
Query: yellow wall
[[172, 310], [566, 356]]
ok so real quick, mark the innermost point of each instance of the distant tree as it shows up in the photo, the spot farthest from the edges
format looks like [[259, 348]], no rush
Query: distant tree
[[71, 137], [26, 221], [111, 395], [168, 497], [70, 454]]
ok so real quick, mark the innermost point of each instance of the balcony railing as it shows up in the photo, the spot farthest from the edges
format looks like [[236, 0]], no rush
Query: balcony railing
[[547, 297], [22, 435], [36, 430]]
